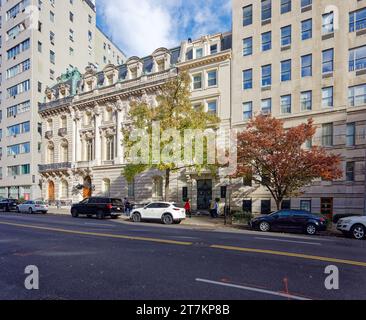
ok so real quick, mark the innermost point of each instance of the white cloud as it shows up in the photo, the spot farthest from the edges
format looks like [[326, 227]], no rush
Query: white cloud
[[141, 26]]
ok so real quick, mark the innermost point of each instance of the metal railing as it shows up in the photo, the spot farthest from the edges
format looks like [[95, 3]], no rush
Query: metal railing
[[54, 166]]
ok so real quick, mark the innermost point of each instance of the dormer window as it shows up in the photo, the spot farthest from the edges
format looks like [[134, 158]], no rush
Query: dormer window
[[213, 48], [199, 53]]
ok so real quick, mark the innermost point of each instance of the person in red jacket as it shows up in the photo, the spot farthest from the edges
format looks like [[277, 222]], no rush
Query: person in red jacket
[[187, 207]]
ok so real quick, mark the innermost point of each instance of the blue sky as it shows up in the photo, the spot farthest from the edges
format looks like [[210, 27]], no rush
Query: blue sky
[[141, 26]]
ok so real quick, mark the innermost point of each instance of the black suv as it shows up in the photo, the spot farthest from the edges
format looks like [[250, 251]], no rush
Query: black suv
[[290, 220], [98, 206], [7, 205]]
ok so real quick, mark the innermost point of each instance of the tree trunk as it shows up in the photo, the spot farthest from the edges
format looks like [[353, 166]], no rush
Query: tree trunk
[[167, 184], [278, 203]]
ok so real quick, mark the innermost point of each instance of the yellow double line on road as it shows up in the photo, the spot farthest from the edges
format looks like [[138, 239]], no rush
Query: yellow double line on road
[[184, 243]]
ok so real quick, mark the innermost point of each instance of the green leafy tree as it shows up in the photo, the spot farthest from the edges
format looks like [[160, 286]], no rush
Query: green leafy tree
[[173, 111]]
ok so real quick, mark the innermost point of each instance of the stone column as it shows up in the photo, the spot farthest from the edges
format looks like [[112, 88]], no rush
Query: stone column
[[119, 137], [98, 146]]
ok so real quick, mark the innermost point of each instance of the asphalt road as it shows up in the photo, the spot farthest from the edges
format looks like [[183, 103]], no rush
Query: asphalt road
[[91, 259]]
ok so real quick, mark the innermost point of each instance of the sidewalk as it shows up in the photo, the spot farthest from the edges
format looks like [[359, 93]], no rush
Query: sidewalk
[[202, 221]]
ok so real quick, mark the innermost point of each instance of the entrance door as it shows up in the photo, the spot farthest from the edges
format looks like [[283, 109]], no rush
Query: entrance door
[[204, 194], [87, 190], [326, 207], [51, 191]]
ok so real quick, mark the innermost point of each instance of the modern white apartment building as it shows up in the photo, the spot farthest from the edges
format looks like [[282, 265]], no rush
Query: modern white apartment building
[[299, 59], [40, 40]]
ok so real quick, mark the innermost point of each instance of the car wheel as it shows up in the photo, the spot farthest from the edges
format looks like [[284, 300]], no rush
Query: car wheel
[[167, 218], [100, 215], [358, 231], [136, 217], [30, 211], [310, 229], [74, 213], [264, 226]]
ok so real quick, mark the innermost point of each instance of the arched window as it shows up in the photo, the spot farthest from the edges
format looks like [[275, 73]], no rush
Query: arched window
[[49, 125], [64, 151], [110, 148], [157, 191], [64, 189], [106, 187], [87, 119], [50, 153]]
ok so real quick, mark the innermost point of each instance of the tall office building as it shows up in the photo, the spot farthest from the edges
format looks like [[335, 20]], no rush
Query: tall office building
[[300, 59], [40, 40]]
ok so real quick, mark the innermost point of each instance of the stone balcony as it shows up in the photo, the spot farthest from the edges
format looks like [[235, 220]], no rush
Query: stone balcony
[[62, 166], [48, 134], [62, 132]]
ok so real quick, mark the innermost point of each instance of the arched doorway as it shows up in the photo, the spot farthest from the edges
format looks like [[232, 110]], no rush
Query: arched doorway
[[51, 191], [87, 189]]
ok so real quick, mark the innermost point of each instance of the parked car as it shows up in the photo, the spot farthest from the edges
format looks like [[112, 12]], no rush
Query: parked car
[[100, 207], [353, 226], [290, 220], [166, 212], [8, 205], [33, 206]]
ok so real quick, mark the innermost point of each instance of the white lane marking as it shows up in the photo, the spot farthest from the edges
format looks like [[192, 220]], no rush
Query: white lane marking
[[292, 241], [273, 293]]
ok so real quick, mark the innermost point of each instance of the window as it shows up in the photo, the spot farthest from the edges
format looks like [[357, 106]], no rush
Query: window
[[328, 23], [197, 81], [247, 15], [212, 78], [266, 106], [327, 97], [213, 48], [110, 148], [306, 100], [52, 57], [286, 70], [19, 48], [157, 189], [16, 149], [248, 46], [266, 75], [212, 107], [286, 104], [248, 79], [285, 36], [306, 29], [285, 6], [357, 95], [305, 205], [17, 109], [131, 189], [18, 89], [266, 41], [71, 17], [52, 16], [39, 46], [266, 10], [357, 58], [327, 134], [39, 85], [52, 37], [199, 53], [328, 61], [306, 66], [351, 134], [357, 20], [350, 171], [247, 110], [17, 69], [18, 129], [265, 206]]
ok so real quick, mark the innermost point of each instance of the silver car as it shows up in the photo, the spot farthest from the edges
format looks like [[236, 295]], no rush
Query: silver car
[[33, 207]]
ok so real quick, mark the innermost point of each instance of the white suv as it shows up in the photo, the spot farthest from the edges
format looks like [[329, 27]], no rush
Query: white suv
[[354, 226], [166, 212]]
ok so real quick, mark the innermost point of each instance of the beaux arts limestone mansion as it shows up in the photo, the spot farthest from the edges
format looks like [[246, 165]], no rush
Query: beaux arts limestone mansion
[[295, 59]]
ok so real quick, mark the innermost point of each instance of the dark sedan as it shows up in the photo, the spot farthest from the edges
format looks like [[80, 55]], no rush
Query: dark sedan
[[8, 205], [290, 220]]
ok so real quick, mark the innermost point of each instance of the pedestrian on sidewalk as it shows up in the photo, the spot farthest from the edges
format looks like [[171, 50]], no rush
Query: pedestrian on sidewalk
[[212, 209], [127, 207], [216, 208], [187, 207]]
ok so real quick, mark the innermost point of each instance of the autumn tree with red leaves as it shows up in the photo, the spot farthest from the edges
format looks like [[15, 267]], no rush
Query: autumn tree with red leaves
[[275, 157]]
